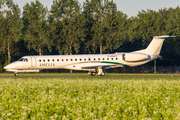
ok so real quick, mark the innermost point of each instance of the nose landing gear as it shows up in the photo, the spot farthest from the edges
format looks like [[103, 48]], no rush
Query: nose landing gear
[[15, 74]]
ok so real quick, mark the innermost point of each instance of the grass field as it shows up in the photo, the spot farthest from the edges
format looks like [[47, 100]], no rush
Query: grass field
[[90, 98]]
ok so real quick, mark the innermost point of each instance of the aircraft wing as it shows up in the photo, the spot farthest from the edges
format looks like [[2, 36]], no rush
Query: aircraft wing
[[93, 67], [102, 66]]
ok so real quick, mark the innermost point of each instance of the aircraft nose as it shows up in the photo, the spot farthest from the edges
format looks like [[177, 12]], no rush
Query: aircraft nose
[[11, 66], [7, 67]]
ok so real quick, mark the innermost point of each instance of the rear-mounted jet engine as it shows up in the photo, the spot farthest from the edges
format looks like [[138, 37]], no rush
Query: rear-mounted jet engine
[[134, 57]]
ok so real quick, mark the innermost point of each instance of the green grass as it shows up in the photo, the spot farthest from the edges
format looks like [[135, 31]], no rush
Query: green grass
[[89, 98]]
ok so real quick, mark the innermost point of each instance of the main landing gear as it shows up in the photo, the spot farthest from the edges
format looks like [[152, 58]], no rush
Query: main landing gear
[[93, 74], [99, 71], [102, 74]]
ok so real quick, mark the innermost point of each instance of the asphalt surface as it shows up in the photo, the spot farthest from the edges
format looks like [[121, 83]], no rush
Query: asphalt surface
[[93, 76]]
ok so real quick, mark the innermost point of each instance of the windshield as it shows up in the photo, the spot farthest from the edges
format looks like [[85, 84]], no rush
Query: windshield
[[25, 60], [21, 59]]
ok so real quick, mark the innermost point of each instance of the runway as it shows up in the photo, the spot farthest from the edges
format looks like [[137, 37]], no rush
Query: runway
[[90, 76]]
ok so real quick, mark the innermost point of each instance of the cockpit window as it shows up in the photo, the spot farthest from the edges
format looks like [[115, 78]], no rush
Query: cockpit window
[[23, 59]]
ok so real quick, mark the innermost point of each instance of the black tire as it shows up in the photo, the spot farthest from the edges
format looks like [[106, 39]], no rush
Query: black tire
[[93, 74], [16, 74], [102, 74]]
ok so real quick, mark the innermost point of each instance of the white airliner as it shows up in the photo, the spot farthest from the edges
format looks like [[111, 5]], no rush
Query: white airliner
[[95, 63]]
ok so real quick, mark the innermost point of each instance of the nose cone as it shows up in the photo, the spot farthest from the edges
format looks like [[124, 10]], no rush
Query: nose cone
[[11, 66], [7, 66]]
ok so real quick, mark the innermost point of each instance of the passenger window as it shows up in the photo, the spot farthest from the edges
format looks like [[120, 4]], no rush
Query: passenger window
[[66, 59], [58, 60], [48, 60], [111, 58], [103, 58], [39, 60], [94, 58], [53, 60], [79, 59], [71, 59], [116, 58], [84, 59], [98, 58], [107, 58], [43, 60], [62, 59], [75, 59], [89, 59]]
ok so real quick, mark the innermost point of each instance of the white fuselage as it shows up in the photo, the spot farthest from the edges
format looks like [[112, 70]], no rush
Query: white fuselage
[[73, 62], [94, 63]]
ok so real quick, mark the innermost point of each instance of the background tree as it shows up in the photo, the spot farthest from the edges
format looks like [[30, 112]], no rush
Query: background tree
[[98, 29], [55, 20], [87, 44], [115, 28], [11, 26], [170, 51], [71, 25], [36, 27], [104, 29]]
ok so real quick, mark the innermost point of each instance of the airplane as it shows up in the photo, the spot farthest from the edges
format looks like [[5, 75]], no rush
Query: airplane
[[94, 63]]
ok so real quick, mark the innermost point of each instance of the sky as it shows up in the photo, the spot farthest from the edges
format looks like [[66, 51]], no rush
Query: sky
[[129, 7]]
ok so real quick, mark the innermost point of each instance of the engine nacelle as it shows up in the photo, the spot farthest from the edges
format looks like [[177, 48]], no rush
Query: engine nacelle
[[134, 57]]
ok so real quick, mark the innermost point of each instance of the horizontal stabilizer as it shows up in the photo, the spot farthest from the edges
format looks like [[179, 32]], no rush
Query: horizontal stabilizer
[[163, 37], [155, 46]]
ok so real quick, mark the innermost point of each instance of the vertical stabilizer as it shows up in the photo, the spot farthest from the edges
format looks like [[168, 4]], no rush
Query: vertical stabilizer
[[155, 46]]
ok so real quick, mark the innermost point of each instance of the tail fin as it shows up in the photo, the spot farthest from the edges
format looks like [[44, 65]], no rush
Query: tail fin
[[155, 46]]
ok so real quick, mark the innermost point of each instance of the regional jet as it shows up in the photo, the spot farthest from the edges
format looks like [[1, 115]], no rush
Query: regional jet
[[94, 63]]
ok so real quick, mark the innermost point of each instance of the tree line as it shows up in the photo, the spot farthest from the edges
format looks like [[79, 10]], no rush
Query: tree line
[[96, 26]]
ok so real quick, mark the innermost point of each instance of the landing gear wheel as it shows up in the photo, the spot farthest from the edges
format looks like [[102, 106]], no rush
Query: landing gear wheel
[[93, 74], [102, 74], [16, 74]]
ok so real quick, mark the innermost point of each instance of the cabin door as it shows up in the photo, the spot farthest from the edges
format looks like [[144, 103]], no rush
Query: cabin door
[[33, 61]]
